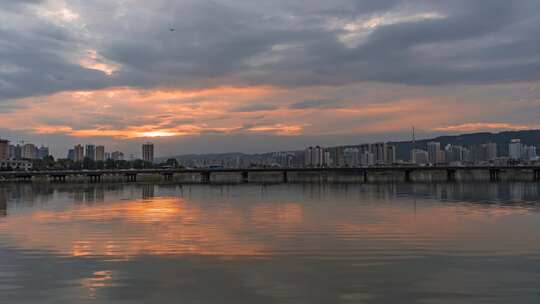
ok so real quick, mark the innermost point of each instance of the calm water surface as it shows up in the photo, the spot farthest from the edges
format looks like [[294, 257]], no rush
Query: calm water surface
[[146, 243]]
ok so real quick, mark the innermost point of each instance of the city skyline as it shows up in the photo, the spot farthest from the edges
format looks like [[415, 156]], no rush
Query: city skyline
[[275, 76], [99, 152], [478, 149], [283, 151]]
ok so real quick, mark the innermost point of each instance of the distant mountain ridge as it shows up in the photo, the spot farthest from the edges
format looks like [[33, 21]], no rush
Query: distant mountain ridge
[[403, 148]]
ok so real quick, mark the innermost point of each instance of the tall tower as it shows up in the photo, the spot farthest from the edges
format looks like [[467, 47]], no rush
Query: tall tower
[[100, 153], [78, 153], [148, 152], [90, 151], [413, 148], [413, 139], [4, 149]]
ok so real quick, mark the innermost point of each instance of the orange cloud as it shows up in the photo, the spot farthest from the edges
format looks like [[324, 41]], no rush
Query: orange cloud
[[280, 129], [129, 113]]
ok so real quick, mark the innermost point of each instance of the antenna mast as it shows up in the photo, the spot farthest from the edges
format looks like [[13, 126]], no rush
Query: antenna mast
[[413, 156], [413, 139]]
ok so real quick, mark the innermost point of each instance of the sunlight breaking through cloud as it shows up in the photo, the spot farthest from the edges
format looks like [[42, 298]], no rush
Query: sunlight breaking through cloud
[[355, 32]]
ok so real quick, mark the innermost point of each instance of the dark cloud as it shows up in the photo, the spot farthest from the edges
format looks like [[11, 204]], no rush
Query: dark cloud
[[283, 43], [10, 106], [318, 104]]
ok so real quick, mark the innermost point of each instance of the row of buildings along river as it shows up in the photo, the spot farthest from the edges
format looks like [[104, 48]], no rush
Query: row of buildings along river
[[24, 157], [375, 154]]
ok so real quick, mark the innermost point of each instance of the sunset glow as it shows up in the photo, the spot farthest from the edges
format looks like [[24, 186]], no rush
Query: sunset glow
[[309, 80]]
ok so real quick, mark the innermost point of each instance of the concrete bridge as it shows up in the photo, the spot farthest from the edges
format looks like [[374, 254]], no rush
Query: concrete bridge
[[280, 175]]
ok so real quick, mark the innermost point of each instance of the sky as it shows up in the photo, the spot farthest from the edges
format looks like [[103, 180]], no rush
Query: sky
[[198, 76]]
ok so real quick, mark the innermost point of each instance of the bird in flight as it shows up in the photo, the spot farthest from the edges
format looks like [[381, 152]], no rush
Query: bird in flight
[[171, 29]]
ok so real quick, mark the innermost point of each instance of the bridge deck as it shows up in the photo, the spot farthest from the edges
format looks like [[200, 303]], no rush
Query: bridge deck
[[234, 170]]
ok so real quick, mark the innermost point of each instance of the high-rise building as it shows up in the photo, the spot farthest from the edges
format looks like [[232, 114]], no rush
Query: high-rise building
[[42, 152], [90, 152], [315, 157], [328, 161], [108, 156], [4, 149], [337, 156], [309, 157], [367, 158], [514, 149], [491, 151], [29, 151], [390, 154], [117, 155], [352, 157], [455, 154], [100, 153], [148, 152], [433, 149], [364, 147], [79, 153], [441, 157], [15, 152], [529, 153], [379, 151], [71, 154]]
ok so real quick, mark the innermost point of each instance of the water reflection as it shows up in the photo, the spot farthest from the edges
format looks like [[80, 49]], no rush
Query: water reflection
[[3, 203], [235, 225], [148, 191], [438, 243]]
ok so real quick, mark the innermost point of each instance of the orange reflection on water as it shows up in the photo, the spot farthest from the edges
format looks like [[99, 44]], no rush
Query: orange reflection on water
[[99, 279], [162, 226], [174, 226], [277, 217]]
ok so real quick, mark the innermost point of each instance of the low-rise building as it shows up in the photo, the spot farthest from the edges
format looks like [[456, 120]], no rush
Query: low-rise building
[[117, 155], [16, 165], [419, 157], [42, 152]]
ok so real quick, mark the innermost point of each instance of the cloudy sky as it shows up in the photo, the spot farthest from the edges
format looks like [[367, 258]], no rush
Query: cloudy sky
[[243, 75]]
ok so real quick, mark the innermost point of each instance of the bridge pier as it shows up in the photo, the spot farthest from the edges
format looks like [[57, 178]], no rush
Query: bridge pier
[[494, 175], [536, 177], [408, 176], [168, 176], [366, 177], [451, 175], [131, 177], [58, 178], [245, 176], [285, 177], [26, 178], [3, 207], [205, 177], [95, 178]]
